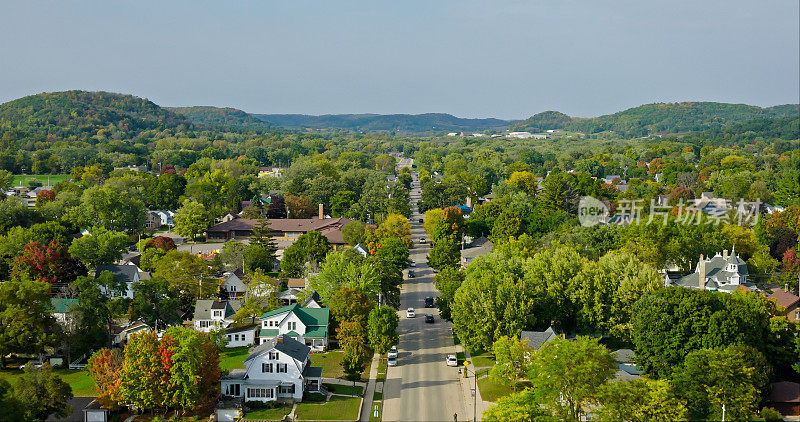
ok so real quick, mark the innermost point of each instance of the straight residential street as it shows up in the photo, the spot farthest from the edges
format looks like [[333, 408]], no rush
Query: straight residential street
[[422, 387]]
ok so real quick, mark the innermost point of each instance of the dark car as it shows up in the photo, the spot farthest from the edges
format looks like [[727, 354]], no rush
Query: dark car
[[428, 319], [429, 302], [420, 220], [411, 274]]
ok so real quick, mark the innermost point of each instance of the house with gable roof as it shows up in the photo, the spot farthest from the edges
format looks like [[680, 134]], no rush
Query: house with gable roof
[[723, 273], [233, 285], [278, 368], [536, 339], [212, 314], [129, 274], [308, 325]]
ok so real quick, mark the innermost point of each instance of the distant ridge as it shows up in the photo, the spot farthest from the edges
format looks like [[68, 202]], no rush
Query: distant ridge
[[411, 123], [659, 118], [218, 116]]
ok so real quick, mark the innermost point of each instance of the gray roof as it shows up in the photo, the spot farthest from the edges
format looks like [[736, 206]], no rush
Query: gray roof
[[203, 307], [624, 355], [125, 273], [717, 275], [536, 339], [312, 372], [283, 344], [478, 247], [236, 374], [251, 327]]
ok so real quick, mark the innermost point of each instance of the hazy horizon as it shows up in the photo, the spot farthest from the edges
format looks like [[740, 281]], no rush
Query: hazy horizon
[[505, 60]]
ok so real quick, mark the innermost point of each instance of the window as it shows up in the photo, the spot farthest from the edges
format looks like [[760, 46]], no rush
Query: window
[[260, 393], [233, 288], [205, 324], [291, 325], [266, 367], [218, 314], [229, 337], [273, 355], [236, 337], [282, 367]]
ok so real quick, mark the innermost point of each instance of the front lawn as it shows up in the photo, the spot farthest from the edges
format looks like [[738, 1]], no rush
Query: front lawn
[[330, 363], [491, 391], [381, 373], [82, 385], [337, 409], [275, 414], [482, 359], [233, 358], [348, 390]]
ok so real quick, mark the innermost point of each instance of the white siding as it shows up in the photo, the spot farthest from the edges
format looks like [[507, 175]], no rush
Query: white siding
[[243, 338]]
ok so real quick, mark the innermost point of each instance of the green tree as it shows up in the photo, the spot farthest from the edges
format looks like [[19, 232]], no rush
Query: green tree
[[639, 400], [25, 319], [447, 281], [43, 392], [142, 372], [382, 326], [351, 337], [309, 248], [155, 302], [353, 232], [109, 207], [351, 305], [517, 407], [566, 376], [5, 179], [188, 274], [99, 247], [191, 219], [13, 408], [513, 360], [250, 311], [346, 268], [165, 191]]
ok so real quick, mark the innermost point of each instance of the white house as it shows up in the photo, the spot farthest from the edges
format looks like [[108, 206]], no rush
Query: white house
[[277, 369], [724, 273], [211, 314], [233, 285], [308, 325], [241, 336], [129, 274]]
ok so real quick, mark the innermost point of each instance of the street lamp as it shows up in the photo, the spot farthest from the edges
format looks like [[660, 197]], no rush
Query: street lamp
[[474, 392]]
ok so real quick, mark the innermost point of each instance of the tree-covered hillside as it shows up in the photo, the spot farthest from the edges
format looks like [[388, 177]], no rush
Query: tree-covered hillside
[[660, 118], [218, 116], [409, 123], [82, 115]]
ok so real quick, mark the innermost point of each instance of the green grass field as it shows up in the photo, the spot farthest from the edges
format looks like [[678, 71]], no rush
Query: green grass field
[[349, 390], [275, 414], [82, 385], [22, 179], [336, 409], [233, 358], [492, 391]]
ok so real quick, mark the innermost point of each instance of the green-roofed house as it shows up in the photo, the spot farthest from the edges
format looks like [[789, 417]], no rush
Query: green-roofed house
[[308, 325], [62, 308]]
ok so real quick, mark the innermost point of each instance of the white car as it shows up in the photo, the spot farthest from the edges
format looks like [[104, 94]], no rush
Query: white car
[[413, 263], [410, 313], [452, 360], [391, 361], [422, 240], [392, 352]]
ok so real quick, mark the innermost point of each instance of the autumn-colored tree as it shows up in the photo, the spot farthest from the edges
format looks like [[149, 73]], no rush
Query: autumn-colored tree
[[351, 337], [142, 372], [352, 305], [104, 368], [44, 197], [164, 243], [49, 263]]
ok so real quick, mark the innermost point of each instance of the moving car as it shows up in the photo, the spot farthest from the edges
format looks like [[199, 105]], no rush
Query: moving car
[[391, 361], [429, 302], [410, 313], [392, 352], [452, 360], [428, 319]]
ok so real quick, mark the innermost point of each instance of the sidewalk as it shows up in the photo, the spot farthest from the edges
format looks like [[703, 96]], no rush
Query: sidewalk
[[467, 384], [366, 404]]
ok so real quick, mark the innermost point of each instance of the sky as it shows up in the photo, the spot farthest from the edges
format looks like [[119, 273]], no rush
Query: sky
[[505, 59]]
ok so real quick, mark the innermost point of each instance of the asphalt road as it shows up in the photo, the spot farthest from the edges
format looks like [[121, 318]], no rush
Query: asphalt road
[[422, 387]]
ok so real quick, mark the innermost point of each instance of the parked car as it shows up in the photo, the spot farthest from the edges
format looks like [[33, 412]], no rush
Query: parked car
[[391, 361], [411, 274], [413, 263], [452, 360], [392, 352], [429, 302], [422, 240], [410, 313], [428, 319], [420, 221], [36, 363]]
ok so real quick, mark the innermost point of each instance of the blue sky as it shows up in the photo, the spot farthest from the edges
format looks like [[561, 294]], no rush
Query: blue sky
[[507, 59]]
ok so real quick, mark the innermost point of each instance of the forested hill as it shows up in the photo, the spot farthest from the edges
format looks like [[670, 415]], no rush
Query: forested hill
[[218, 116], [82, 115], [661, 118], [410, 123]]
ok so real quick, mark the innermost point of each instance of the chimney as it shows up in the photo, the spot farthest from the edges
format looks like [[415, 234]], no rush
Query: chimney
[[701, 272], [725, 254], [279, 339], [321, 215]]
